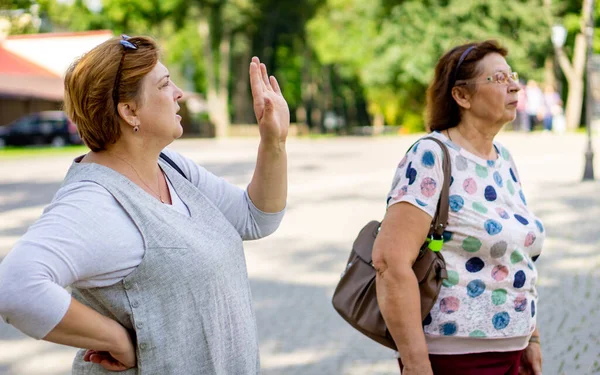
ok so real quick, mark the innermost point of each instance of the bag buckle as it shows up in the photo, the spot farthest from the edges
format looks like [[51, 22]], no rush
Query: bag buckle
[[435, 244]]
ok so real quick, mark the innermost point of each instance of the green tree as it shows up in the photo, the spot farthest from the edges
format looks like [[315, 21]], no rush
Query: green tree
[[393, 46], [574, 15], [19, 17]]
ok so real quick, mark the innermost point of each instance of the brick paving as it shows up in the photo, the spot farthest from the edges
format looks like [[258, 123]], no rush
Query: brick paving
[[336, 185]]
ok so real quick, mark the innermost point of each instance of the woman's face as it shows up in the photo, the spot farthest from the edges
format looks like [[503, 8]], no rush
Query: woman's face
[[492, 101], [158, 111]]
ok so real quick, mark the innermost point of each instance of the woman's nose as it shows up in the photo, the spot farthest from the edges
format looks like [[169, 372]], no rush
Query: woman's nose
[[514, 86], [178, 93]]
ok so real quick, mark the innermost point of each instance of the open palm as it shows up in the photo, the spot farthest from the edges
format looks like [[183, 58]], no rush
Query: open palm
[[270, 107]]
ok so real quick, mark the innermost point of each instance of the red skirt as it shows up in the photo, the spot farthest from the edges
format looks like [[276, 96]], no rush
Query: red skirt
[[492, 363]]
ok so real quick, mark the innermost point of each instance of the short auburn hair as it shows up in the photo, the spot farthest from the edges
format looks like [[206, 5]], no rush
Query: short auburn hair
[[90, 81], [442, 110]]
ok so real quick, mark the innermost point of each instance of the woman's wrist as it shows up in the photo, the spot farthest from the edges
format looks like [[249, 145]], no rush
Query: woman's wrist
[[535, 339], [272, 146]]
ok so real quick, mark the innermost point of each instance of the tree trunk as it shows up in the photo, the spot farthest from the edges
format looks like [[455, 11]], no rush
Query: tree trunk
[[575, 79], [305, 87], [378, 123], [351, 105], [211, 79], [316, 118], [241, 100], [549, 73], [217, 89], [575, 73], [301, 115], [222, 125], [574, 104]]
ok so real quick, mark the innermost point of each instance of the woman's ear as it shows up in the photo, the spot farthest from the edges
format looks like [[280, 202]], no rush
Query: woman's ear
[[462, 97], [127, 113]]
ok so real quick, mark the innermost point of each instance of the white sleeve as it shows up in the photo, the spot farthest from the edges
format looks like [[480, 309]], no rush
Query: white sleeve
[[234, 202], [419, 177], [75, 241]]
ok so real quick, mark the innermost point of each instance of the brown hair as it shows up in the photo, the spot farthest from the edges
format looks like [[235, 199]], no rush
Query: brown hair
[[442, 110], [90, 81]]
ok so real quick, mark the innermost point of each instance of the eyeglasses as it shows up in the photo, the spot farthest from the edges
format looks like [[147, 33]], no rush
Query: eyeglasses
[[127, 45], [502, 78]]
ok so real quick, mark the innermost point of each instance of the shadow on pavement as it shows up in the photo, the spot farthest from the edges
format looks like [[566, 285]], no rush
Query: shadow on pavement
[[299, 330], [27, 194], [577, 205]]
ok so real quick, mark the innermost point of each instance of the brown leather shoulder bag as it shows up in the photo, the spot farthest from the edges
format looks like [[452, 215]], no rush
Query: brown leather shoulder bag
[[355, 297]]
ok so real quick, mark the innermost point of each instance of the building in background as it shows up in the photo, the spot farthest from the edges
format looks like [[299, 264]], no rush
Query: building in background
[[32, 68]]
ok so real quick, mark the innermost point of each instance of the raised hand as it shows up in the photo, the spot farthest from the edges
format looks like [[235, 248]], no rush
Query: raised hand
[[270, 107]]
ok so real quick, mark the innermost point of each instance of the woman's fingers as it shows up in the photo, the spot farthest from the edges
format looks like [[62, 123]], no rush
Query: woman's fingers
[[104, 359], [275, 85], [267, 82], [97, 357], [256, 83], [112, 365], [107, 361], [265, 77], [88, 353]]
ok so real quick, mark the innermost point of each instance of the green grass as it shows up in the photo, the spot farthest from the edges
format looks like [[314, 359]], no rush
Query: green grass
[[12, 152]]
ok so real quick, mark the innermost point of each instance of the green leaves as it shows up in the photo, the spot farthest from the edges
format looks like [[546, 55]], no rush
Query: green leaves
[[393, 46]]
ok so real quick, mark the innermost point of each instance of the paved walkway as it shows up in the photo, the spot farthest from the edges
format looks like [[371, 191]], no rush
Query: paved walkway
[[336, 185]]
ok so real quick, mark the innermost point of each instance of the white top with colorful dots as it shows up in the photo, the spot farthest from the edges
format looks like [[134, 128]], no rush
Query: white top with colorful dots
[[488, 302]]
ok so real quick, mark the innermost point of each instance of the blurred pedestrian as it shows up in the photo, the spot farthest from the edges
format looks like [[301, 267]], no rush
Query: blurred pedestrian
[[552, 106], [522, 122], [154, 258], [535, 104], [484, 320]]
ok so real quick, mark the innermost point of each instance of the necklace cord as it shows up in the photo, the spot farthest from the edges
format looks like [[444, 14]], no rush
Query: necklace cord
[[144, 182]]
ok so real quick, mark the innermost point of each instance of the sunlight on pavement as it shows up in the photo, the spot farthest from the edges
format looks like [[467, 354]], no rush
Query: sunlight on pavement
[[577, 264], [300, 357], [335, 188], [377, 368], [18, 217], [7, 242], [49, 363], [31, 357], [12, 196]]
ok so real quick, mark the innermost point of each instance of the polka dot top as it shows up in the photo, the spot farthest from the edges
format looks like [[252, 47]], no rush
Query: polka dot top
[[490, 245]]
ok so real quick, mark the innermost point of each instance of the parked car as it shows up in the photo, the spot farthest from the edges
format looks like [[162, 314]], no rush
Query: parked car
[[48, 127]]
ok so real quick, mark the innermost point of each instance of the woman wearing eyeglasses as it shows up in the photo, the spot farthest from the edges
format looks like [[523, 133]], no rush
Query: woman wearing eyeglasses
[[152, 247], [484, 320]]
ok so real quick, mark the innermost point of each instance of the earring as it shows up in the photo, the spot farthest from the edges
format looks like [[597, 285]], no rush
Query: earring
[[136, 128]]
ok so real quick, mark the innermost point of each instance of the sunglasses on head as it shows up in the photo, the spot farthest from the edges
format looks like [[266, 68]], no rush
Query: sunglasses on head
[[127, 45]]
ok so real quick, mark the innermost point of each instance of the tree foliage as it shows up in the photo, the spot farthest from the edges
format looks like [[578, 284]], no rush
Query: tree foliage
[[341, 56], [393, 46]]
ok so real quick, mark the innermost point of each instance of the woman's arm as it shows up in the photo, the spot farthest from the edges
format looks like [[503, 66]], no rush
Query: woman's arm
[[79, 239], [259, 212], [233, 202], [531, 359], [268, 189], [83, 327], [396, 248]]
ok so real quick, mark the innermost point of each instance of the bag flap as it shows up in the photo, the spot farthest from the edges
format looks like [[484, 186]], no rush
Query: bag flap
[[429, 262], [363, 245]]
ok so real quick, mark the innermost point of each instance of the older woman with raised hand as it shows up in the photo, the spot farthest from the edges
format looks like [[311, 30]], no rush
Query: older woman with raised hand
[[152, 247], [484, 320]]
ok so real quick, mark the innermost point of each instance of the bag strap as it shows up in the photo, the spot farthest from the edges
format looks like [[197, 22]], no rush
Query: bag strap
[[172, 164], [440, 220]]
